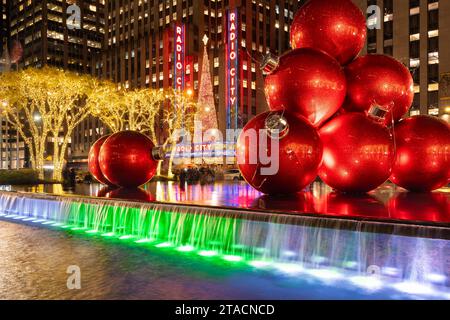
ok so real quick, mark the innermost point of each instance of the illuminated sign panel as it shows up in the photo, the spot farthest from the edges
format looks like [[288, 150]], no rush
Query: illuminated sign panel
[[179, 61], [232, 72]]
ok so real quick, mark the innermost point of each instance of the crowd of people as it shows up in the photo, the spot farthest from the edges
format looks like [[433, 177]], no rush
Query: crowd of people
[[194, 174]]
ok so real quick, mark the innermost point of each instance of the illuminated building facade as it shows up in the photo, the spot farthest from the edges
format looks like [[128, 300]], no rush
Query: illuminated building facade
[[158, 44], [54, 34], [416, 32], [3, 25]]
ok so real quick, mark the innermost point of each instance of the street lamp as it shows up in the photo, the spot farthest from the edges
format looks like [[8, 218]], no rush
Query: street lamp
[[37, 117]]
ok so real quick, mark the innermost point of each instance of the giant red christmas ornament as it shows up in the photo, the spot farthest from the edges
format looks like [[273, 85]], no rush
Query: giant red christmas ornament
[[358, 153], [423, 154], [126, 159], [337, 27], [279, 153], [307, 82], [376, 82], [93, 164]]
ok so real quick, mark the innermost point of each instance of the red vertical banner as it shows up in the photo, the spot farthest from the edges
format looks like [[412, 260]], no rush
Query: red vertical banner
[[179, 57]]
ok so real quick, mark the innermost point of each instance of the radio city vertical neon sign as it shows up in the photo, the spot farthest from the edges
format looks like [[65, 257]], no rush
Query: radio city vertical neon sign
[[232, 75], [179, 61]]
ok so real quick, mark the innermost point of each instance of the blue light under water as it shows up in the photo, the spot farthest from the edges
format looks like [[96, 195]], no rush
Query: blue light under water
[[394, 266]]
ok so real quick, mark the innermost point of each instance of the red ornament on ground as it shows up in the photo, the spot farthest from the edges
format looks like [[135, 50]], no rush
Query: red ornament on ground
[[126, 159], [93, 163], [337, 27], [358, 153], [423, 154], [379, 81], [306, 82], [299, 153]]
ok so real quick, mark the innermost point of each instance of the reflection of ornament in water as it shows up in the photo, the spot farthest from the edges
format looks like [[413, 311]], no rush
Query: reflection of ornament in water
[[103, 191], [352, 205], [302, 202], [136, 194], [420, 206]]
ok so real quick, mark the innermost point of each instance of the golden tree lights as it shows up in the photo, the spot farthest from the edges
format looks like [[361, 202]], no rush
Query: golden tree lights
[[44, 106]]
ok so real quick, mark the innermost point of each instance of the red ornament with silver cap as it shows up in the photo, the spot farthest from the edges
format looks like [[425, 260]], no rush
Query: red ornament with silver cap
[[306, 82], [129, 159], [380, 86], [93, 163], [279, 153]]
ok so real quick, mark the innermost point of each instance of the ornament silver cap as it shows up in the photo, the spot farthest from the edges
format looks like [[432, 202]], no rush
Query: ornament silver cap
[[378, 112], [270, 63], [158, 153], [277, 126]]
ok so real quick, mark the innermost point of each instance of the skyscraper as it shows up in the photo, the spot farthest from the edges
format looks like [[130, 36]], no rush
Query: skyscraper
[[416, 32], [141, 46], [62, 33]]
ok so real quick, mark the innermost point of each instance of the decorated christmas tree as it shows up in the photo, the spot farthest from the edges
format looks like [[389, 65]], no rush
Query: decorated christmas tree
[[206, 109]]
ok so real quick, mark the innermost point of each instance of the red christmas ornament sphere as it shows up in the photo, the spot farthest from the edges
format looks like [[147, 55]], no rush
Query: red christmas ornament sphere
[[93, 164], [301, 202], [337, 27], [423, 154], [126, 159], [306, 82], [358, 153], [294, 150], [379, 81], [352, 205]]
